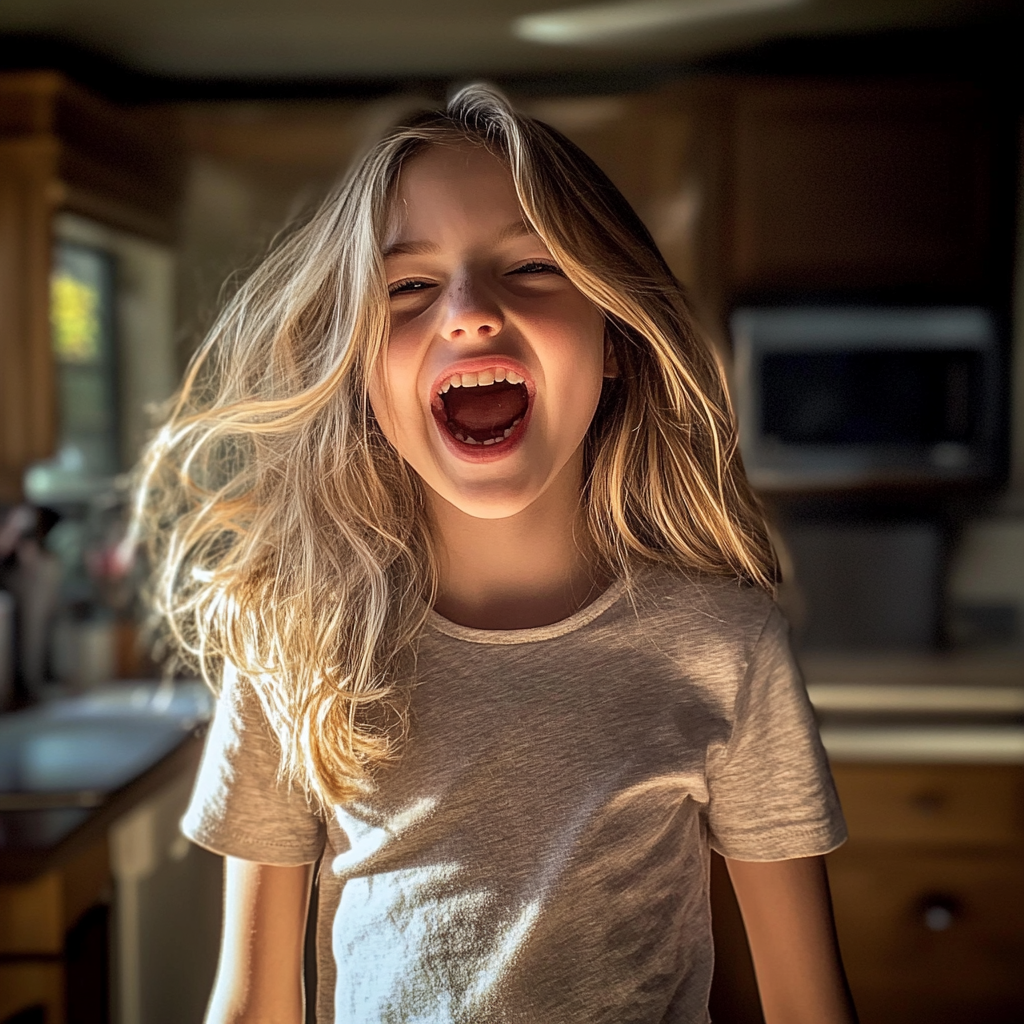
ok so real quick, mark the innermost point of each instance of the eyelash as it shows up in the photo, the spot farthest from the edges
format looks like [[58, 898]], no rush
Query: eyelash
[[532, 267], [409, 285]]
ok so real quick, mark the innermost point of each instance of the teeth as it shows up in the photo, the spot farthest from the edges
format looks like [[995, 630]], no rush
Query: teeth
[[481, 379], [491, 440]]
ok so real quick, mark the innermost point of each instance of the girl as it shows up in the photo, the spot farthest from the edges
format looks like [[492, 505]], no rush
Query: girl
[[450, 507]]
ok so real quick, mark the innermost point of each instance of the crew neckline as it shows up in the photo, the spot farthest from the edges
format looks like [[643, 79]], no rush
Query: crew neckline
[[532, 634]]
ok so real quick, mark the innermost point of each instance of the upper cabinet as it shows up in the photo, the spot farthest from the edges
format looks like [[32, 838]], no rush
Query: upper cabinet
[[65, 153], [767, 187], [879, 187]]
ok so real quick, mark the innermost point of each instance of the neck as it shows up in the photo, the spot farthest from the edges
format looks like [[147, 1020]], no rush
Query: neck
[[530, 569]]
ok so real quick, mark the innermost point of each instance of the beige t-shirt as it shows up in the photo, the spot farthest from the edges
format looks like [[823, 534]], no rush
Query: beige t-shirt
[[540, 853]]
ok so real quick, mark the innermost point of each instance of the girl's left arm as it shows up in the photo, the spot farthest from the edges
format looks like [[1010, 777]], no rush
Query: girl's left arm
[[787, 913]]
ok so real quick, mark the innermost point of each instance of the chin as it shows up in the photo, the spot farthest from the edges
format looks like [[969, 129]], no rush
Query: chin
[[490, 506], [497, 499]]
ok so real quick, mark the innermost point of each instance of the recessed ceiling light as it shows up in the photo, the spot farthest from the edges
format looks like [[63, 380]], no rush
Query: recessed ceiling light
[[601, 22]]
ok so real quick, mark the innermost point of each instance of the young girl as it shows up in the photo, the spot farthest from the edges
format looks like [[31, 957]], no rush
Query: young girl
[[451, 510]]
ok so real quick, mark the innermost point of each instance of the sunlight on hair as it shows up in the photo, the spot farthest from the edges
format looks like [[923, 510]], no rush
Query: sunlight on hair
[[289, 539]]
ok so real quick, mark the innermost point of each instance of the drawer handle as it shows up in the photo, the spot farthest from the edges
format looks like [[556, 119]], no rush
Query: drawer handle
[[929, 803], [938, 913]]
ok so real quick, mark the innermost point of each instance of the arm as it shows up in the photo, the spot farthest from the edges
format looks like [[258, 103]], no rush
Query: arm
[[259, 976], [787, 913]]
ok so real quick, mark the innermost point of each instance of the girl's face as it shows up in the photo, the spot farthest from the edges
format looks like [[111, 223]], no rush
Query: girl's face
[[495, 360]]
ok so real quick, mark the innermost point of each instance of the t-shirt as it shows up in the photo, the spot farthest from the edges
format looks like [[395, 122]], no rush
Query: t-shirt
[[540, 852]]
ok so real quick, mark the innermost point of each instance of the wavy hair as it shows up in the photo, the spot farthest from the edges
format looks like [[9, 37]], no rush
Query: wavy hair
[[289, 539]]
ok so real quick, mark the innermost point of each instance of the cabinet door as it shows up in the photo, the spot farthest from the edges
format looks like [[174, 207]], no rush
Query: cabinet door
[[931, 937], [863, 186], [27, 416], [967, 805], [32, 986]]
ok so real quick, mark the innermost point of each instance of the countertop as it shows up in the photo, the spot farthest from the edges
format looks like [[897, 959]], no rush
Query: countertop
[[905, 709], [70, 768]]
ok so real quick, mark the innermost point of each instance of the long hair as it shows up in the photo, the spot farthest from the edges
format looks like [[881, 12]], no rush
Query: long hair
[[289, 539]]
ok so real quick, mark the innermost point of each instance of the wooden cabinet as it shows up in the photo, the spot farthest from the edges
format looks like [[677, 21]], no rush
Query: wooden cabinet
[[929, 892], [862, 186], [52, 954], [765, 188], [63, 149], [928, 895]]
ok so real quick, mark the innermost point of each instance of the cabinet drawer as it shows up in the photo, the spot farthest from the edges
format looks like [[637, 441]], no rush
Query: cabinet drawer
[[931, 938], [25, 985], [32, 918], [969, 805]]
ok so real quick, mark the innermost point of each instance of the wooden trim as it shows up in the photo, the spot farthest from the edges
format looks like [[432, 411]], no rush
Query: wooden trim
[[27, 101], [27, 388]]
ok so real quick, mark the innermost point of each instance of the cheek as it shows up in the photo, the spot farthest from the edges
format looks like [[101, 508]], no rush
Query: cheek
[[586, 350], [385, 394], [395, 397], [575, 376], [394, 388]]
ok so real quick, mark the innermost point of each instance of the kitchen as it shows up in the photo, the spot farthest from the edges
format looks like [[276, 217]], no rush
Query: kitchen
[[860, 178]]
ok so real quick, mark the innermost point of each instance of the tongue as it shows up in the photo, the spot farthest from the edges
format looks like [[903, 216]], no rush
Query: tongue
[[485, 412]]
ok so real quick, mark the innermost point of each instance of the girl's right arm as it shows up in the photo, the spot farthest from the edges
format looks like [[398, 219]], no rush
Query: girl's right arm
[[259, 976]]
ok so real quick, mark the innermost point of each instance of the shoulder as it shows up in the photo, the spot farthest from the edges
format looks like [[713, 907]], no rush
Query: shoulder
[[709, 626], [719, 609]]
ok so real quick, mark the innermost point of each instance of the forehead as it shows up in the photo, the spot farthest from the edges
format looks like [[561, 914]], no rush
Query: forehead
[[452, 190]]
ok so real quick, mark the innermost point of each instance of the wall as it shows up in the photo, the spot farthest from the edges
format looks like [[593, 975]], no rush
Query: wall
[[255, 168], [987, 568]]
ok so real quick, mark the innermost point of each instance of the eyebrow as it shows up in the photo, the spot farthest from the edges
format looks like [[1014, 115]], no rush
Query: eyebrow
[[517, 229]]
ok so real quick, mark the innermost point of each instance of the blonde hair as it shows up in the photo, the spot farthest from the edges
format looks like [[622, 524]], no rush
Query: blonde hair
[[288, 537]]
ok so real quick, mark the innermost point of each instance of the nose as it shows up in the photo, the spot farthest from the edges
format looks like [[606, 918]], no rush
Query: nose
[[470, 314]]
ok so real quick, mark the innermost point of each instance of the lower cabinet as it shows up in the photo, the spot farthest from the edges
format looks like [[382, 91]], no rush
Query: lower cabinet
[[928, 895], [54, 939], [929, 892], [167, 913], [31, 993], [126, 932]]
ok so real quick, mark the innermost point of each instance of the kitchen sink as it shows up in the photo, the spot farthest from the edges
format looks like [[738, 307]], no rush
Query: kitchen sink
[[74, 751]]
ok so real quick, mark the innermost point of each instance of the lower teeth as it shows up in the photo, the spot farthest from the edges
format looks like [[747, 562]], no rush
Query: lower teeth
[[491, 440]]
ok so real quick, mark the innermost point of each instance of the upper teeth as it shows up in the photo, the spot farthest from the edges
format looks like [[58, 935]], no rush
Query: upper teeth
[[481, 377]]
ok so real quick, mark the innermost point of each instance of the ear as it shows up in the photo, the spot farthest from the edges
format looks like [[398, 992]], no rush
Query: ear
[[611, 362]]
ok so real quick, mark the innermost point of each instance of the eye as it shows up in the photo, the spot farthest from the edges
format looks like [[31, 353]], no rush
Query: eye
[[409, 285], [538, 267]]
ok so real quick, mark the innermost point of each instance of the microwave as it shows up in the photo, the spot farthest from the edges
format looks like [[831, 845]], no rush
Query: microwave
[[834, 397]]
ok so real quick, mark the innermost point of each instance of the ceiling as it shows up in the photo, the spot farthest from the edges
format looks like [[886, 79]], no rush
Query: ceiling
[[282, 40]]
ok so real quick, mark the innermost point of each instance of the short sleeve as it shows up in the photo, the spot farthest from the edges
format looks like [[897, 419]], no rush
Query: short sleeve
[[771, 795], [239, 807]]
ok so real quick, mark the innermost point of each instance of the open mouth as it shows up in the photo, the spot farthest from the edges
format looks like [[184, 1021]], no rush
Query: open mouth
[[483, 407]]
